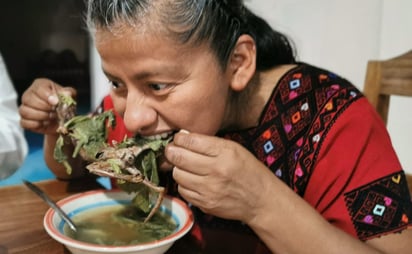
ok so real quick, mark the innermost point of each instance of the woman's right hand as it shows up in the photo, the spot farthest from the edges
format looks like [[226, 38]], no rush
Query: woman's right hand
[[38, 106]]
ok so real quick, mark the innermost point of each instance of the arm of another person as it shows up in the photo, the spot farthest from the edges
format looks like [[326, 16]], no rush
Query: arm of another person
[[13, 146]]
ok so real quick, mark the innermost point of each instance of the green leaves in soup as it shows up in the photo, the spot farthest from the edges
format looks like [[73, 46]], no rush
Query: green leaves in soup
[[120, 225]]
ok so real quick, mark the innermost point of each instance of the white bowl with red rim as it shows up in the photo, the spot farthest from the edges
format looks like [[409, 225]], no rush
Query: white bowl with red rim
[[53, 223]]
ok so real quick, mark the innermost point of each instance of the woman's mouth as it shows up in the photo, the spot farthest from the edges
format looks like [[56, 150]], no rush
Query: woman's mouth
[[161, 136]]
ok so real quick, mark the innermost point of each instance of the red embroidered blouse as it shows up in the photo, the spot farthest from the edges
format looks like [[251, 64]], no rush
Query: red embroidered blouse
[[320, 135]]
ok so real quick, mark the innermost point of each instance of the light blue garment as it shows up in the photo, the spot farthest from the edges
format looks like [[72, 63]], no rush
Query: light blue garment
[[13, 145]]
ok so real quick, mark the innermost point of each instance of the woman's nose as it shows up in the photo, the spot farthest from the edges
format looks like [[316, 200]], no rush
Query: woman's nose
[[138, 115]]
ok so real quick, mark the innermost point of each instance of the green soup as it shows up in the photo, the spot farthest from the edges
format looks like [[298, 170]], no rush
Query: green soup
[[119, 225]]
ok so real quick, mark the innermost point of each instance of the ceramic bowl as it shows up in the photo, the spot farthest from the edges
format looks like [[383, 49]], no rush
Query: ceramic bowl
[[77, 203]]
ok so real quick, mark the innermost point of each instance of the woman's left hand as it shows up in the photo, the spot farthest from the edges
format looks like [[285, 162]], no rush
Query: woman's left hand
[[219, 176]]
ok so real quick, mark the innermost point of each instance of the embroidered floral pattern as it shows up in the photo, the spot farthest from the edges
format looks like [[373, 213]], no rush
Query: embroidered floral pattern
[[379, 207], [301, 111]]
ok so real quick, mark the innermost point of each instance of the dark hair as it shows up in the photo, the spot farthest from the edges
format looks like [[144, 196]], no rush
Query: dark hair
[[218, 22]]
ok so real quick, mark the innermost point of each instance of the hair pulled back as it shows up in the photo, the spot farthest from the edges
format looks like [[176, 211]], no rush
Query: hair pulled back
[[217, 22]]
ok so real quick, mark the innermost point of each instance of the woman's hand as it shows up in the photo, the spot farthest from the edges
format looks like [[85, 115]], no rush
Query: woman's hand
[[38, 114], [219, 176], [37, 109]]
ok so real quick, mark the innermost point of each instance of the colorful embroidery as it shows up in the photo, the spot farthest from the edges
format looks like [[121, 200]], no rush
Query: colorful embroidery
[[300, 113], [337, 102], [268, 146], [378, 207], [301, 109]]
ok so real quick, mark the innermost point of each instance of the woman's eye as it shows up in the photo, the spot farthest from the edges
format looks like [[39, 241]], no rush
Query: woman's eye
[[158, 87], [114, 84]]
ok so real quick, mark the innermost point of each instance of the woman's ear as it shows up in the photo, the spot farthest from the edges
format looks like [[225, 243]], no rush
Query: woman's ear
[[242, 64]]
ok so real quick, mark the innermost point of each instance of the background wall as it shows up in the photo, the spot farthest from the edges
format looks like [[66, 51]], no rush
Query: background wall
[[46, 38], [396, 37], [341, 36]]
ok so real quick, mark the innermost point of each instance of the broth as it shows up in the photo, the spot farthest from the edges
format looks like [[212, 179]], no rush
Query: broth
[[118, 225]]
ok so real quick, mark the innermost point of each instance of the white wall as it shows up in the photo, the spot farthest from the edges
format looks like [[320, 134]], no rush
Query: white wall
[[338, 35], [342, 35], [99, 83]]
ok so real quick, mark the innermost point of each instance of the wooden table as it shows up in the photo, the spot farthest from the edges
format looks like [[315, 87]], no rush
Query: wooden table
[[21, 224]]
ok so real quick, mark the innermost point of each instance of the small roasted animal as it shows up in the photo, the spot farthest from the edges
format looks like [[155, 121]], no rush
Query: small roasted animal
[[134, 165], [66, 110], [133, 162], [88, 133]]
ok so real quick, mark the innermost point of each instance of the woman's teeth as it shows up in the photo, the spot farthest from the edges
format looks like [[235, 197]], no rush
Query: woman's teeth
[[159, 136]]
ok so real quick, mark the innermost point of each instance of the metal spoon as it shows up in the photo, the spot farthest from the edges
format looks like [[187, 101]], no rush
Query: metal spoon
[[51, 203]]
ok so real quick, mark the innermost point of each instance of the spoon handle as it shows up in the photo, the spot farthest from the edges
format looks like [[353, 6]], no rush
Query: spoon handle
[[51, 203]]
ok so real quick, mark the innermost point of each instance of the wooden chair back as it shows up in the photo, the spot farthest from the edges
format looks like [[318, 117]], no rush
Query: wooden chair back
[[388, 77], [385, 78]]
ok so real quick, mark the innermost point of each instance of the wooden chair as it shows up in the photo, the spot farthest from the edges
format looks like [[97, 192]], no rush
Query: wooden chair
[[388, 77], [385, 78]]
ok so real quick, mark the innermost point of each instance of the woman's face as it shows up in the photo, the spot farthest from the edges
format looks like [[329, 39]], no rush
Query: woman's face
[[160, 87]]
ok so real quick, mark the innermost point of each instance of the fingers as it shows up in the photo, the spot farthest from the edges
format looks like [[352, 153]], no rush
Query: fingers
[[42, 94], [205, 192], [53, 98], [69, 91], [30, 114], [37, 120], [36, 95], [190, 195], [38, 101], [193, 188], [195, 153], [37, 109], [202, 144], [187, 181]]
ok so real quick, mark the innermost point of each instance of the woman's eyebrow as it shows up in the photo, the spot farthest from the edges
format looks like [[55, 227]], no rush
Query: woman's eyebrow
[[108, 75], [139, 76], [165, 70], [144, 74]]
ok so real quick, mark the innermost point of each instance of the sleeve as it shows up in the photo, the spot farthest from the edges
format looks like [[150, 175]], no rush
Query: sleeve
[[119, 132], [358, 183], [13, 148]]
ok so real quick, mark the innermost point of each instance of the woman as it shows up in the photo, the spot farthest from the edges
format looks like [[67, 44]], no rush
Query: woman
[[281, 146]]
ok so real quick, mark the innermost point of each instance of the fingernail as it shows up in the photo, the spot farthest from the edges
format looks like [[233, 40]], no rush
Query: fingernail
[[184, 131], [53, 100]]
